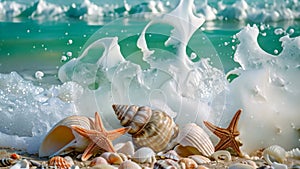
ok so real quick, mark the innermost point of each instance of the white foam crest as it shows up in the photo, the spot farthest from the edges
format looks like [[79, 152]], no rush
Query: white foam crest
[[28, 111], [46, 10], [267, 91]]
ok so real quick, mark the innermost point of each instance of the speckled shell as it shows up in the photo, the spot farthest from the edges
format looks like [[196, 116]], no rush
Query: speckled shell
[[54, 144], [59, 162], [149, 128], [193, 136]]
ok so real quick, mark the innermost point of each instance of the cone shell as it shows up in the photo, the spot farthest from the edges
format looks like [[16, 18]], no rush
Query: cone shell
[[62, 139], [194, 139], [149, 128]]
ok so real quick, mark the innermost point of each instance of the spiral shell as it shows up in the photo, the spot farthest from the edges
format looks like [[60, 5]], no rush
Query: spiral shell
[[294, 153], [61, 139], [192, 138], [149, 128], [59, 162], [276, 152]]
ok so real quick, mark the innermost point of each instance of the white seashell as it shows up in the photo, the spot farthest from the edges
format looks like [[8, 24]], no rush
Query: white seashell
[[112, 158], [276, 152], [199, 159], [54, 144], [240, 166], [279, 166], [294, 153], [222, 154], [129, 164], [69, 160], [166, 164], [98, 161], [125, 148], [144, 155], [22, 164], [59, 162], [193, 135], [149, 128]]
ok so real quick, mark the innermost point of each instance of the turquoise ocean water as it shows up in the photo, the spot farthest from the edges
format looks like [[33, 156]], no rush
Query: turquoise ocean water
[[38, 37]]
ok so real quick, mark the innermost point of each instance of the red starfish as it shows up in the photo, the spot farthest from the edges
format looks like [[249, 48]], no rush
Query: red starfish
[[100, 139], [227, 135]]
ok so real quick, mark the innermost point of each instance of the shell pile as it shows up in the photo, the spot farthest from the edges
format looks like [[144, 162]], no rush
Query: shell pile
[[157, 142]]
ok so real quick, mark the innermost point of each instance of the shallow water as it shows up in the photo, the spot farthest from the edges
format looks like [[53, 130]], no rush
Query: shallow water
[[33, 42]]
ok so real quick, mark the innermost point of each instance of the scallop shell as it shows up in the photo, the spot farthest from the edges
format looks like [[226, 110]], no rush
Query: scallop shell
[[149, 128], [62, 139], [59, 162], [166, 164], [276, 152], [193, 136]]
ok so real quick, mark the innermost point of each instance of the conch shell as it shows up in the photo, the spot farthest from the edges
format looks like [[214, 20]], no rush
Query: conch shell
[[149, 128], [62, 139]]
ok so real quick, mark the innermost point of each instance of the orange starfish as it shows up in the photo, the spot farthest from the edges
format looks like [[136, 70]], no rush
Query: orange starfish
[[100, 139], [227, 135]]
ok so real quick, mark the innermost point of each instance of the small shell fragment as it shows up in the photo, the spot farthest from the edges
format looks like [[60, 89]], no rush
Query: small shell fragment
[[294, 153], [279, 166], [125, 148], [187, 163], [169, 155], [4, 162], [199, 159], [166, 164], [144, 155], [276, 152], [222, 155], [112, 158], [22, 164]]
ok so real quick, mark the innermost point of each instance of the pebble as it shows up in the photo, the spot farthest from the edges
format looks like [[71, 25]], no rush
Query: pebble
[[22, 164]]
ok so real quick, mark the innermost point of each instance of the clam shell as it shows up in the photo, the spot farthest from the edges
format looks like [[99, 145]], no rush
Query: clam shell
[[144, 155], [112, 158], [61, 139], [59, 162], [188, 163], [193, 136], [149, 128], [125, 148]]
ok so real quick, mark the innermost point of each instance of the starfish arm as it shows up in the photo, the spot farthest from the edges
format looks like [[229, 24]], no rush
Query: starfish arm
[[88, 152], [236, 148], [222, 144], [220, 132], [84, 132], [234, 122], [104, 143], [112, 135], [98, 123]]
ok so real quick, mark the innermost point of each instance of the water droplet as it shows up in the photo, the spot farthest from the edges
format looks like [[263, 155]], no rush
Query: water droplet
[[226, 43], [63, 58], [10, 108], [69, 54], [193, 55], [70, 41], [291, 31], [275, 51], [66, 33], [39, 74], [28, 30]]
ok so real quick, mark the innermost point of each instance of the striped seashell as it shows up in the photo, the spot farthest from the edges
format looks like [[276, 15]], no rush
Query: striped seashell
[[129, 164], [199, 159], [192, 138], [276, 152], [149, 128], [59, 162], [169, 155], [166, 164], [54, 144], [4, 162], [294, 153]]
